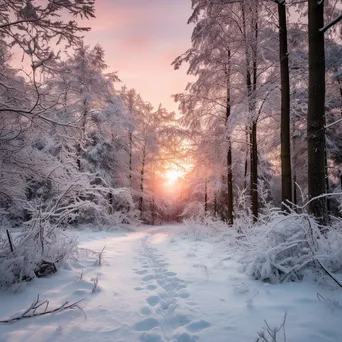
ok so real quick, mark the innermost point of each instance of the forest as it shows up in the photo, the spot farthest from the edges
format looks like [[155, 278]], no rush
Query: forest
[[253, 151]]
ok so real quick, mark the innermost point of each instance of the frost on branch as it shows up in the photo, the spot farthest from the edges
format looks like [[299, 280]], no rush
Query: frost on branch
[[272, 334], [22, 23]]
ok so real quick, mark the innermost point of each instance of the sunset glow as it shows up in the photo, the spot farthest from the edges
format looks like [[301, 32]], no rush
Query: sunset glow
[[173, 175], [141, 42]]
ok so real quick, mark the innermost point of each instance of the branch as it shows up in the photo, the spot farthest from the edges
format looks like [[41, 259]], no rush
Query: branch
[[328, 273], [31, 311], [333, 123], [19, 22], [327, 27]]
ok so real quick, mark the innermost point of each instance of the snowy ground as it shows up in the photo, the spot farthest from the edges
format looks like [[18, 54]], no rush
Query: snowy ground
[[158, 285]]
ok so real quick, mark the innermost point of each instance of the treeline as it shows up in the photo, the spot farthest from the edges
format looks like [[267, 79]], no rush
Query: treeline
[[76, 147], [264, 111]]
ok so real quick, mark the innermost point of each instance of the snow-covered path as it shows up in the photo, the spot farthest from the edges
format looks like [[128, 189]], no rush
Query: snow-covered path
[[158, 285]]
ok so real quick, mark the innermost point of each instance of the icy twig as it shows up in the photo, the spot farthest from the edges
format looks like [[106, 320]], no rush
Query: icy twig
[[31, 310], [101, 256], [328, 273], [272, 332], [96, 281]]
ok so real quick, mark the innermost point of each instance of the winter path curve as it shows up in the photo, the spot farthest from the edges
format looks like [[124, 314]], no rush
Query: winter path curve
[[158, 285]]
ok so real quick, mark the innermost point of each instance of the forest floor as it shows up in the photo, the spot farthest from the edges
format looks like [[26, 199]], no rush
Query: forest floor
[[158, 284]]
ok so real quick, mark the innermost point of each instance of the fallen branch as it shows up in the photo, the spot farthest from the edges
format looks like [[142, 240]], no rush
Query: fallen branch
[[30, 312], [328, 273]]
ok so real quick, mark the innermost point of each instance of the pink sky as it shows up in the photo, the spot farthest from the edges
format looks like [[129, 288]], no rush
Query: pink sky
[[141, 39]]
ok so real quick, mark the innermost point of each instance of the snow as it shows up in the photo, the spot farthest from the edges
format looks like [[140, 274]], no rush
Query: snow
[[159, 284]]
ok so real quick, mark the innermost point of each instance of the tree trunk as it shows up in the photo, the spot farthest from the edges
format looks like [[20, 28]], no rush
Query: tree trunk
[[110, 201], [246, 158], [294, 165], [153, 211], [316, 112], [286, 177], [252, 107], [251, 48], [215, 204], [130, 158], [84, 129], [206, 197], [248, 85], [142, 174], [327, 184], [254, 171], [230, 197]]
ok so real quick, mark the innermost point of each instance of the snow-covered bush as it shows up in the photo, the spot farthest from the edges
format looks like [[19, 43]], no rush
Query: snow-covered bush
[[207, 227], [279, 247], [194, 210], [283, 248], [36, 251]]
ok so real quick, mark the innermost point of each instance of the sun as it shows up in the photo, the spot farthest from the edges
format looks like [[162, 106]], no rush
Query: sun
[[173, 175]]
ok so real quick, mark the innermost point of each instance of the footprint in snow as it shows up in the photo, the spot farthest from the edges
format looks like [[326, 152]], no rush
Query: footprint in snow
[[151, 287], [183, 294], [138, 288], [178, 320], [146, 325], [197, 326], [148, 277], [150, 337], [153, 300], [184, 337], [141, 271], [145, 310], [163, 264]]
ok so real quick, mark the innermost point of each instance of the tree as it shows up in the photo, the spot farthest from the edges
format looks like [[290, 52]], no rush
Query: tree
[[285, 137], [316, 120], [210, 60], [316, 111]]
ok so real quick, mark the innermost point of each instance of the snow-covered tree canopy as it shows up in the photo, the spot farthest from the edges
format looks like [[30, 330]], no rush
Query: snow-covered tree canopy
[[35, 25]]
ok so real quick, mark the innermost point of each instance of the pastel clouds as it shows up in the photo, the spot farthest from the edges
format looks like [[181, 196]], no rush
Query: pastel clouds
[[141, 38]]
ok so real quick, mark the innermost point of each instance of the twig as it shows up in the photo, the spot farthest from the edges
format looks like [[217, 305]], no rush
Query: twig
[[31, 311], [328, 273], [96, 281], [10, 240], [101, 255], [272, 332]]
